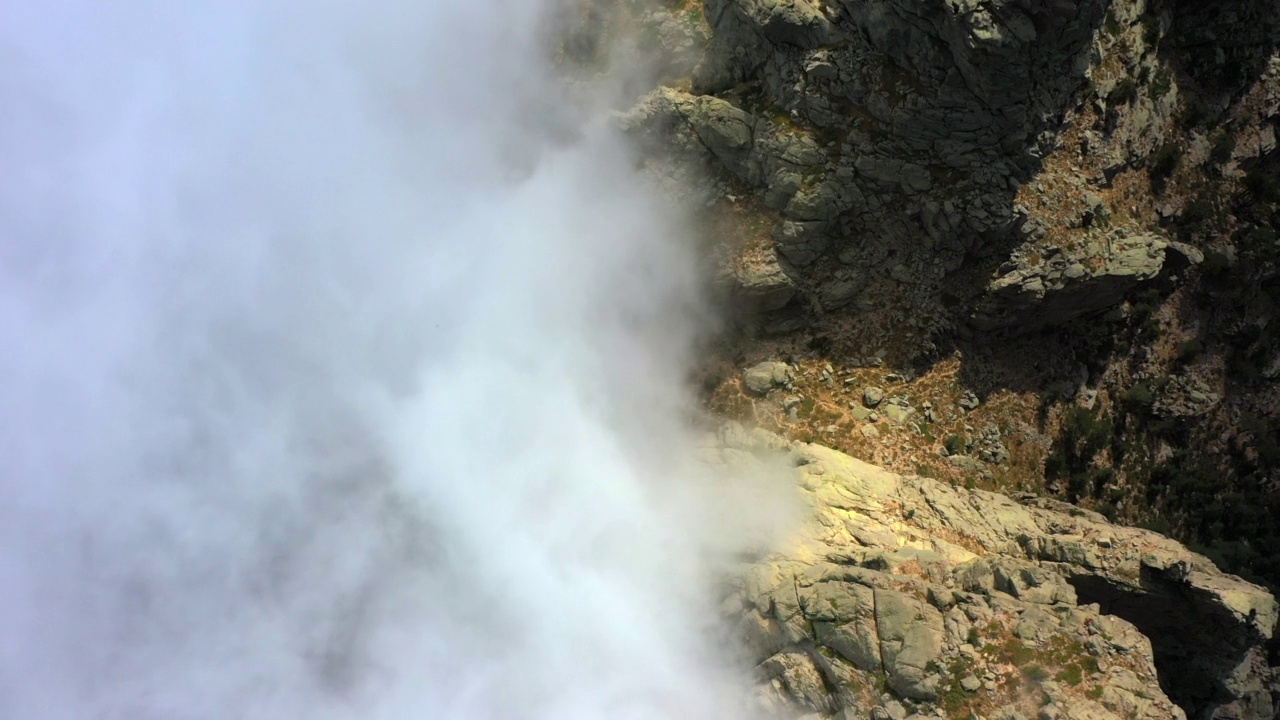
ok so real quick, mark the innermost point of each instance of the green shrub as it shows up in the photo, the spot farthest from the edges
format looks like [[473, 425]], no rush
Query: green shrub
[[1072, 675], [1080, 486], [1224, 145], [1257, 240], [1088, 429], [1195, 112], [1198, 216], [1150, 329], [1189, 350], [1199, 210], [1036, 673], [1215, 263], [1263, 186], [1158, 525], [1164, 161], [1124, 92], [954, 445], [1138, 398], [1162, 83], [1112, 24]]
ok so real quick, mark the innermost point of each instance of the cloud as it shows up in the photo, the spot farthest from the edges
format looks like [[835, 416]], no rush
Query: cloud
[[340, 381]]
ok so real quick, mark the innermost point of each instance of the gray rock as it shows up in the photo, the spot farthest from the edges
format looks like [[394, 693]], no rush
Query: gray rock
[[850, 628], [969, 464], [762, 287], [898, 414], [1184, 397], [1052, 289], [859, 412], [767, 376], [800, 679], [970, 683], [872, 396], [802, 242], [910, 640]]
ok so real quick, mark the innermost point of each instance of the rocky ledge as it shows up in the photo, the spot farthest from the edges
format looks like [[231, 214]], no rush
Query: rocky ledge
[[1054, 285], [907, 597]]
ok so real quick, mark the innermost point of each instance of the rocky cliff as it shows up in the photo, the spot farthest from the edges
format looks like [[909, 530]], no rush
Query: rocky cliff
[[1020, 245], [910, 139], [1067, 208], [903, 596]]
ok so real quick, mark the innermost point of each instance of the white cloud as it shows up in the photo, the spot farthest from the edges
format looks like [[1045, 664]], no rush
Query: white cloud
[[335, 384]]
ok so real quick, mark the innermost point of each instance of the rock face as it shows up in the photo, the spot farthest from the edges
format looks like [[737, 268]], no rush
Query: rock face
[[894, 138], [880, 125], [783, 165], [906, 594], [761, 287]]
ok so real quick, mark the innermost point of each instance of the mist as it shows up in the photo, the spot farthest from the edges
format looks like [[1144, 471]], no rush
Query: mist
[[343, 377]]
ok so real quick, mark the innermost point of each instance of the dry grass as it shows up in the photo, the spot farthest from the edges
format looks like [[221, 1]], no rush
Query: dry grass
[[912, 448]]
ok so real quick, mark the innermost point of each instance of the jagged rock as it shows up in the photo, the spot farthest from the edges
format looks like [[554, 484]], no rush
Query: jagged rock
[[802, 242], [676, 40], [894, 574], [761, 286], [1182, 256], [698, 125], [800, 678], [1058, 285], [767, 376]]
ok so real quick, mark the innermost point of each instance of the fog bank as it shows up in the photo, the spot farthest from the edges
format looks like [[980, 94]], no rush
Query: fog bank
[[344, 377]]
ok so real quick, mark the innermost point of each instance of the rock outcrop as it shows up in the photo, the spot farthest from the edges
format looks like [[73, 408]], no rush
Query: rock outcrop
[[904, 595], [1060, 284]]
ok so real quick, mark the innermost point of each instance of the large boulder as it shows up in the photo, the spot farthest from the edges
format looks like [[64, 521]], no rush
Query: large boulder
[[765, 377], [1048, 286]]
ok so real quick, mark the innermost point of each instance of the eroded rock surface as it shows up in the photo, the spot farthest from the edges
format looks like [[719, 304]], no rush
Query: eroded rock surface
[[907, 592]]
